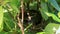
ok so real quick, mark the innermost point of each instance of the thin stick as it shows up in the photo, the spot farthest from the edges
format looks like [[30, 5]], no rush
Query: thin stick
[[20, 24], [22, 9]]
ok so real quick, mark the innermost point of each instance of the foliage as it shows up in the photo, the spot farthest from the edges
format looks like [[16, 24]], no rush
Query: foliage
[[40, 32], [47, 11], [1, 18], [50, 28]]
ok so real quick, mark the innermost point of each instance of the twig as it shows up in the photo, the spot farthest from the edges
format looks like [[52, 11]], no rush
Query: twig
[[22, 10], [28, 27], [20, 24]]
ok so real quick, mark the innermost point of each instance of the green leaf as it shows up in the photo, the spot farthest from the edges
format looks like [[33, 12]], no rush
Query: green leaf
[[58, 14], [7, 33], [44, 9], [15, 2], [1, 18], [54, 4], [16, 10], [54, 17], [9, 23], [40, 32], [33, 6], [3, 2], [51, 28]]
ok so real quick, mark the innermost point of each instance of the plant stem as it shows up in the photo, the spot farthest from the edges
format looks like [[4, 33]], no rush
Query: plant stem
[[22, 10], [20, 24]]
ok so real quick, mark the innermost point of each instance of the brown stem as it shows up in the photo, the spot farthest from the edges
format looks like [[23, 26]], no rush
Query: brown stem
[[22, 10], [20, 24]]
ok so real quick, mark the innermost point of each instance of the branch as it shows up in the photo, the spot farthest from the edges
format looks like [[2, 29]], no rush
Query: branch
[[22, 10], [20, 24]]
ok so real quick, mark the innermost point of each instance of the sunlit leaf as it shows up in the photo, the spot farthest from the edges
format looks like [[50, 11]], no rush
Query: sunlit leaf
[[16, 10], [1, 18], [54, 17], [15, 2], [14, 5], [40, 32], [58, 14], [51, 28], [3, 2]]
